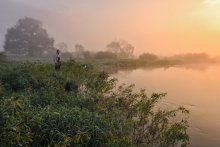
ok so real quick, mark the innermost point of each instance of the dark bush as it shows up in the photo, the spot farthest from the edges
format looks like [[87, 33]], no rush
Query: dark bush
[[71, 86], [105, 55], [148, 57]]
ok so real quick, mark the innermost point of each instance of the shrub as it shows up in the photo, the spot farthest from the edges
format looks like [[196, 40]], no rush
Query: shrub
[[148, 57], [105, 55], [44, 108]]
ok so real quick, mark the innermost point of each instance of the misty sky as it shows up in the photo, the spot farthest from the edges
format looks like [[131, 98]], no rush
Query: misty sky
[[159, 26]]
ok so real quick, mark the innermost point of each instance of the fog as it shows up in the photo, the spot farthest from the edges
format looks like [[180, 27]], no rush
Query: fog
[[70, 21], [162, 27]]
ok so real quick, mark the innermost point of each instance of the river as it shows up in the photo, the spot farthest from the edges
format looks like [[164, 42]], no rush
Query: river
[[196, 87]]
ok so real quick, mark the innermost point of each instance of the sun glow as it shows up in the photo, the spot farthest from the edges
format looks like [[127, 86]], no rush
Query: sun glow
[[162, 27], [209, 14], [211, 2]]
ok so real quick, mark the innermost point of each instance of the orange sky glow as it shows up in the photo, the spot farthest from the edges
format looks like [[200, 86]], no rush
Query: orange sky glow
[[164, 27]]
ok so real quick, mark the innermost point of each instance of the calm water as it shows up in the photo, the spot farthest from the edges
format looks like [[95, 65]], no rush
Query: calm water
[[196, 87]]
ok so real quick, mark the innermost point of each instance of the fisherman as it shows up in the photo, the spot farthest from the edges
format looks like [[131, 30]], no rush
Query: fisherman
[[56, 60]]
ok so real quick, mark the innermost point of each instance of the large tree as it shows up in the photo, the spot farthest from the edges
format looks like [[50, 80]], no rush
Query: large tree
[[28, 37]]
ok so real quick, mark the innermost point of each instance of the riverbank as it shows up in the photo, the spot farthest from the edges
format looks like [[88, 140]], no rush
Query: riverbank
[[79, 106]]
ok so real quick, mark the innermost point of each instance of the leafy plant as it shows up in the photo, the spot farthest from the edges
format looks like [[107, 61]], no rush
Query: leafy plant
[[79, 106]]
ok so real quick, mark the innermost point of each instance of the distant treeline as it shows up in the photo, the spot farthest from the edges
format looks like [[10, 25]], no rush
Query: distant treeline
[[195, 58], [28, 39]]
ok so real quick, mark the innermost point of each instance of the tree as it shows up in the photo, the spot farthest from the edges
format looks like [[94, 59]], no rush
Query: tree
[[28, 37], [121, 48], [87, 54], [2, 57], [105, 55], [62, 46], [148, 57], [79, 50]]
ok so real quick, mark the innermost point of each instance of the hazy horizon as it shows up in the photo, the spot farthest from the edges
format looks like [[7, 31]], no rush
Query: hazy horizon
[[160, 27], [158, 48]]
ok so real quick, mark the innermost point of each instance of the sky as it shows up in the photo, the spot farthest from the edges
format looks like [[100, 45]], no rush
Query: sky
[[163, 27]]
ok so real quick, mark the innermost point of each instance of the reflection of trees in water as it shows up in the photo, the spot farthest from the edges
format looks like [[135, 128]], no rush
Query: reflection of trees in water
[[116, 70], [198, 67], [128, 70], [124, 73]]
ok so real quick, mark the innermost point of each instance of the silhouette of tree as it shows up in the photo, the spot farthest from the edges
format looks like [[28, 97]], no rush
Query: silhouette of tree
[[62, 46], [2, 57], [121, 48], [148, 57], [105, 55], [87, 54], [79, 50], [28, 37]]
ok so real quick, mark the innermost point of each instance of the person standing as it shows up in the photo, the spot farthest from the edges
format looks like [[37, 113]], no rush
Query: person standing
[[56, 60]]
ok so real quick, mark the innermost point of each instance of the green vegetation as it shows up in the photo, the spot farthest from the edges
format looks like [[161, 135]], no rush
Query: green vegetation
[[112, 66], [108, 62], [2, 57], [105, 55], [79, 106], [148, 57]]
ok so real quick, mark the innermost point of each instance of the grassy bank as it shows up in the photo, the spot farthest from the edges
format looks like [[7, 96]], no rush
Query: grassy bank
[[108, 65], [79, 106]]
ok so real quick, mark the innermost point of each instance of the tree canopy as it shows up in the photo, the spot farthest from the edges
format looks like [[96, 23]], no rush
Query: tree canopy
[[121, 48], [79, 50], [28, 37]]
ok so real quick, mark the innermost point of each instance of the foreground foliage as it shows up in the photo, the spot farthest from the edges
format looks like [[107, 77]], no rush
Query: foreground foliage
[[78, 106]]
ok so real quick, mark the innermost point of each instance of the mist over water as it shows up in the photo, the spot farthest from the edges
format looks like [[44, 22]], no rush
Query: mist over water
[[196, 87], [178, 35]]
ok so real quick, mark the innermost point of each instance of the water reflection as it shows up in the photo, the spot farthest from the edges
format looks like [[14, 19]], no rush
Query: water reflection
[[197, 67], [196, 87]]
